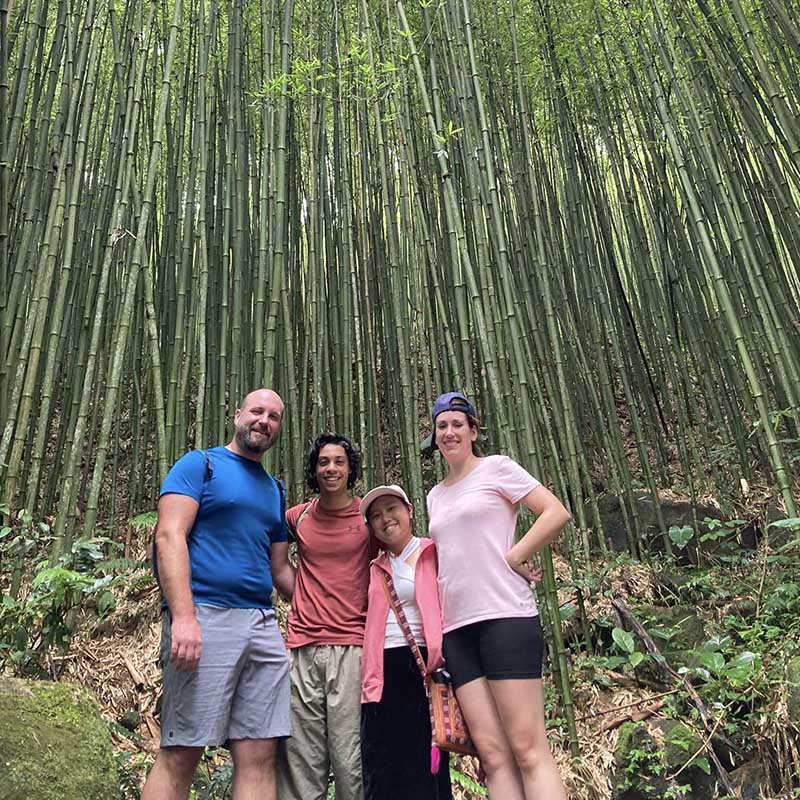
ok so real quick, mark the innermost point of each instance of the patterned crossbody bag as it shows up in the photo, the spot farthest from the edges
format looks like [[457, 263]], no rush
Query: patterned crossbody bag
[[448, 726]]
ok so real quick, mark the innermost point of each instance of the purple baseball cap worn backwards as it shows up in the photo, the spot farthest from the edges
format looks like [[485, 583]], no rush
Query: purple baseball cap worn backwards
[[452, 401]]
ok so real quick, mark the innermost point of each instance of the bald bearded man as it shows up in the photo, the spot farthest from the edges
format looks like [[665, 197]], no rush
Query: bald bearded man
[[221, 546]]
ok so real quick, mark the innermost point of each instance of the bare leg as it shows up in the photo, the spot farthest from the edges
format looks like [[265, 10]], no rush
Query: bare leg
[[172, 774], [503, 778], [520, 704], [253, 769]]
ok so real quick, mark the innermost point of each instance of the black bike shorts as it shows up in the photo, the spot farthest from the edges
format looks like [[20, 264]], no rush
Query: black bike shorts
[[497, 649]]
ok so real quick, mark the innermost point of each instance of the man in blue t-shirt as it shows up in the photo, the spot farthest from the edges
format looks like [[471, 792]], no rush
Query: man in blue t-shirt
[[221, 546]]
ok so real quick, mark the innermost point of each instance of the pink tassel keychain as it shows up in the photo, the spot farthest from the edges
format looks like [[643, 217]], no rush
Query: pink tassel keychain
[[436, 759]]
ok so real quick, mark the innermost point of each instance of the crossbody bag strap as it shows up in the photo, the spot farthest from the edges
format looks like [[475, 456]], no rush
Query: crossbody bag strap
[[402, 621]]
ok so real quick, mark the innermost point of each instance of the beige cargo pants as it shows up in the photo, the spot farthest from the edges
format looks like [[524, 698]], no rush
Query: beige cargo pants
[[326, 725]]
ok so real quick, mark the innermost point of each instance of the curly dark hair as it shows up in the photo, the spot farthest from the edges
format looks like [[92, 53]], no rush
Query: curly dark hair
[[353, 457]]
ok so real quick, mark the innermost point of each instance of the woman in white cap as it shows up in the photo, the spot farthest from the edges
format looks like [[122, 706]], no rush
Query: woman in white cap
[[493, 640], [396, 754]]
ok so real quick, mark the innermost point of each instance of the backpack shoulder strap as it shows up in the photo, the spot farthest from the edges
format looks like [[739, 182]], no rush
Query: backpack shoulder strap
[[209, 474], [282, 495], [304, 512]]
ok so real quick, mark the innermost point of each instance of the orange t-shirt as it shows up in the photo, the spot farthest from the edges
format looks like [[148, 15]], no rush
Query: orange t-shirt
[[330, 592]]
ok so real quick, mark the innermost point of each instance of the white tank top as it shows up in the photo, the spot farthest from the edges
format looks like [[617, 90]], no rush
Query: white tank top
[[403, 578]]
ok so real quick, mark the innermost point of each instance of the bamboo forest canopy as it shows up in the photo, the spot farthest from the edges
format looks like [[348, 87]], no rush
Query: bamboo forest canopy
[[584, 213]]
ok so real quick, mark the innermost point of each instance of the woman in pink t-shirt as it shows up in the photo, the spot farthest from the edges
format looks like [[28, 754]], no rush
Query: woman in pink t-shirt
[[492, 635]]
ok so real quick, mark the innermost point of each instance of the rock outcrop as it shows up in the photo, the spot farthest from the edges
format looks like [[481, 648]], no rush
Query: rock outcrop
[[54, 744]]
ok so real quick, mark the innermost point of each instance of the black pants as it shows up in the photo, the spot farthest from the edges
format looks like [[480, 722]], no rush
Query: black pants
[[396, 737]]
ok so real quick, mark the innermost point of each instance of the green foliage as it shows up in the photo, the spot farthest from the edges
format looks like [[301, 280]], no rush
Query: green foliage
[[680, 536], [629, 661], [641, 760], [720, 530], [567, 611], [460, 779], [449, 132], [788, 415], [724, 668], [22, 538], [793, 526], [685, 744], [623, 640], [213, 781], [717, 532], [627, 644], [312, 77], [730, 626], [131, 768], [41, 617], [648, 768], [143, 522], [736, 671]]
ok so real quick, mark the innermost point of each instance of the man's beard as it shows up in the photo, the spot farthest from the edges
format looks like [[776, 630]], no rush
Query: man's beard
[[251, 443]]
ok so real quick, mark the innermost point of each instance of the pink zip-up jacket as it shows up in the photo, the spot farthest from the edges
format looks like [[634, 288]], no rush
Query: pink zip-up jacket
[[426, 593]]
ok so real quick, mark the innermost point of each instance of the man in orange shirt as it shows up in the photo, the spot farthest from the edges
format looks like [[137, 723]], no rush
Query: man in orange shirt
[[326, 629]]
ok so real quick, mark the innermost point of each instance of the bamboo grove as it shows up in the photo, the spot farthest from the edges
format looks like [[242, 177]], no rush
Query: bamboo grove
[[586, 214]]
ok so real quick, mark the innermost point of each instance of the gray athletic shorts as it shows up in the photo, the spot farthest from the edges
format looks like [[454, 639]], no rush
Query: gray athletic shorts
[[240, 689]]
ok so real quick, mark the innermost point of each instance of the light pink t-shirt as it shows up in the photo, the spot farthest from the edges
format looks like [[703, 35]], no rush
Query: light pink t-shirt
[[473, 524]]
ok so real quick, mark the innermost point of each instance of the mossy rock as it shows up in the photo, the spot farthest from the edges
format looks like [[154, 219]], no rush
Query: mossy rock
[[680, 743], [682, 622], [131, 720], [673, 512], [685, 631], [53, 744], [793, 681], [639, 764], [685, 756], [686, 586], [749, 778], [778, 536], [652, 763]]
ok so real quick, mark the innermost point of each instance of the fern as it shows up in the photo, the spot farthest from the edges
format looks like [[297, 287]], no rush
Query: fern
[[466, 782], [142, 522], [118, 565]]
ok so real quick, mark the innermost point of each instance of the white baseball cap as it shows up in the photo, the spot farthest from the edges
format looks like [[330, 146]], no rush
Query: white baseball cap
[[379, 491]]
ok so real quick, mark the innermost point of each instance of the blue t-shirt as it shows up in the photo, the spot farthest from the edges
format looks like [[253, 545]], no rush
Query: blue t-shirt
[[241, 515]]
